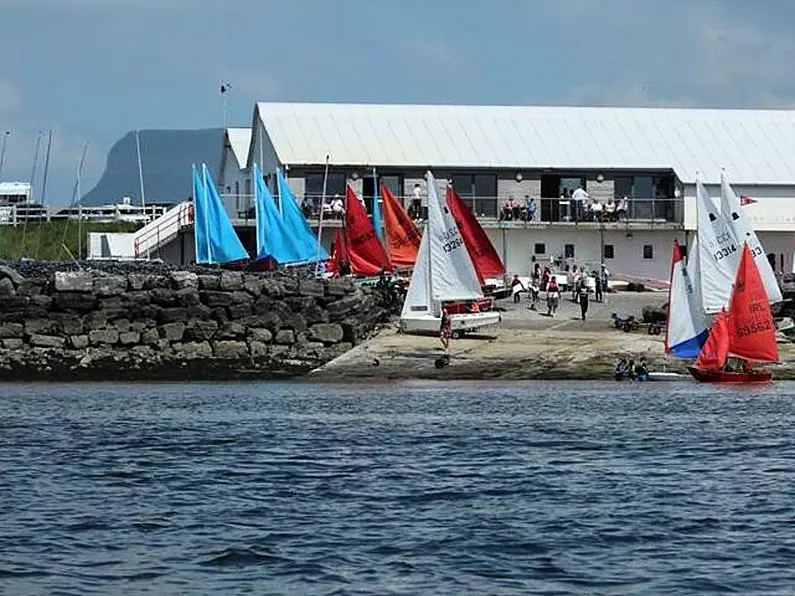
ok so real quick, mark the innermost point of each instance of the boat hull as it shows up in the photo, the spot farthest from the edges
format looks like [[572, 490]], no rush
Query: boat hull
[[720, 376], [465, 322]]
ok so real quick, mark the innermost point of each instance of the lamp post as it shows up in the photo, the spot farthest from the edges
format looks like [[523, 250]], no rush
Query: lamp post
[[6, 134], [225, 88]]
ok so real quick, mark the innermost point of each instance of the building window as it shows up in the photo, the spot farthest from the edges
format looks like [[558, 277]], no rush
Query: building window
[[568, 251], [540, 248], [609, 252], [394, 184], [313, 187], [479, 191], [648, 251], [622, 186]]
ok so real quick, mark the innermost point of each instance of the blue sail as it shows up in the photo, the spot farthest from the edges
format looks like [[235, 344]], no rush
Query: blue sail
[[201, 219], [224, 243], [378, 221], [273, 237], [304, 240]]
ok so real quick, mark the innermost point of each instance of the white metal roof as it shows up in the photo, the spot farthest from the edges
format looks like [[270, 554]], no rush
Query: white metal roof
[[754, 146], [240, 141], [15, 188]]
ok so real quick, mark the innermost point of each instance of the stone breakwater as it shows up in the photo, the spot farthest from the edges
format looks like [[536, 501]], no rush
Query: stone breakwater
[[139, 323]]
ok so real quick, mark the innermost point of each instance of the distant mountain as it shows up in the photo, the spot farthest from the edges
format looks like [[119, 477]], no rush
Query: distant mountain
[[166, 157]]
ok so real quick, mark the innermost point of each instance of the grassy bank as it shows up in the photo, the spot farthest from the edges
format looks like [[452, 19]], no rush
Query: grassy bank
[[44, 241]]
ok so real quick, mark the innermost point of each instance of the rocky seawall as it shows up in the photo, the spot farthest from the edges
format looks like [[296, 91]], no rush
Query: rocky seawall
[[135, 322]]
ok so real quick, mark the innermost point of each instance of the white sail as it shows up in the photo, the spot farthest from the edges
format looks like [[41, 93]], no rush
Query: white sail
[[418, 296], [718, 253], [734, 214], [452, 274], [686, 332]]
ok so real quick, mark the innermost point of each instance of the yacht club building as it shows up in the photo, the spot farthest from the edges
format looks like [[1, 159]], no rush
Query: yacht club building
[[645, 159]]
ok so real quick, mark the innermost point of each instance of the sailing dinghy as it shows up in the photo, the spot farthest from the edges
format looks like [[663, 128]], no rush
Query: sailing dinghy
[[444, 277], [741, 336]]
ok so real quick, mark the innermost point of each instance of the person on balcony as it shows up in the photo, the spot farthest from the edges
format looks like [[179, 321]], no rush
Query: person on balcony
[[337, 207], [610, 210], [623, 209], [596, 210], [508, 210], [532, 208], [578, 198]]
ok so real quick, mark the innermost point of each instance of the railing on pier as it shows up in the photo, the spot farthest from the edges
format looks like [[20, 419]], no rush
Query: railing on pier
[[163, 229]]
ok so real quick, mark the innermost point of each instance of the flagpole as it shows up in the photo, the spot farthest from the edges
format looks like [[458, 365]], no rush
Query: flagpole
[[320, 219]]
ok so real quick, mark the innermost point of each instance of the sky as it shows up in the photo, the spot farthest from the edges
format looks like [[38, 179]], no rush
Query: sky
[[91, 70]]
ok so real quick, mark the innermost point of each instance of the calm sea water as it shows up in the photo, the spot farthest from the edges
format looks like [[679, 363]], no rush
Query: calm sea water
[[397, 489]]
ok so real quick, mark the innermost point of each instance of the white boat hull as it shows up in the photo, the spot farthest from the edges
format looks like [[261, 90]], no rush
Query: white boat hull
[[466, 322]]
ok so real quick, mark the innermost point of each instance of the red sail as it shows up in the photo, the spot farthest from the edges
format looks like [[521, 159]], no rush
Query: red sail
[[715, 351], [365, 253], [340, 252], [402, 236], [486, 260], [752, 332]]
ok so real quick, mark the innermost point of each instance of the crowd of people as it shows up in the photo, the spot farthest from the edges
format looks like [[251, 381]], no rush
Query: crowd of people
[[632, 371]]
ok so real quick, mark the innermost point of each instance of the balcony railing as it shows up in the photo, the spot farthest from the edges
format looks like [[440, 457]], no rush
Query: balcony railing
[[651, 211]]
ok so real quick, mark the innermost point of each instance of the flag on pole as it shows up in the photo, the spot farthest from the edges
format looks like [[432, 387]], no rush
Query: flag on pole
[[378, 224], [746, 200]]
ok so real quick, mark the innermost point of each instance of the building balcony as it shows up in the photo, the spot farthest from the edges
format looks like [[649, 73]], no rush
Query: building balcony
[[495, 212]]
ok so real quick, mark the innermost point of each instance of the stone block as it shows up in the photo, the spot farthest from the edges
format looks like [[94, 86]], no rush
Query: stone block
[[46, 341], [172, 331], [143, 352], [12, 343], [214, 298], [103, 336], [258, 349], [41, 301], [181, 280], [143, 324], [240, 297], [157, 282], [31, 287], [339, 287], [231, 280], [136, 281], [295, 322], [164, 297], [209, 282], [265, 305], [95, 320], [238, 311], [7, 272], [230, 350], [276, 350], [73, 281], [272, 288], [285, 337], [200, 330], [75, 301], [173, 315], [11, 330], [112, 305], [345, 306], [129, 338], [328, 333], [315, 314], [40, 326], [253, 286], [122, 325], [311, 287], [299, 303], [110, 285], [7, 287], [230, 330], [194, 349], [188, 297], [137, 297], [150, 337], [258, 334], [78, 342]]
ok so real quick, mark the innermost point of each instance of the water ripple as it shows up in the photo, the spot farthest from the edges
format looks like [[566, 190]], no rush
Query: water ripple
[[409, 489]]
